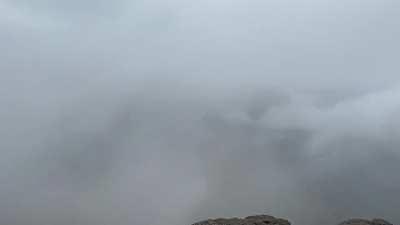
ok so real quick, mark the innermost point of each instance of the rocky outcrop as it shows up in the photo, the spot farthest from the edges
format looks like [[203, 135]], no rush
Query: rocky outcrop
[[270, 220], [251, 220], [365, 222]]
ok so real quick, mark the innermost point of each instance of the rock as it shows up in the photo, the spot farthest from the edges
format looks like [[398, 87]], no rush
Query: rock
[[251, 220], [270, 220], [365, 222]]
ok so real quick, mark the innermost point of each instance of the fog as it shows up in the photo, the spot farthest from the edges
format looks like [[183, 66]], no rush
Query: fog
[[170, 112]]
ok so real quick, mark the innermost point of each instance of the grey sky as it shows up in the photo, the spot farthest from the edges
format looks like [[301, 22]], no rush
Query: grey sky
[[168, 112]]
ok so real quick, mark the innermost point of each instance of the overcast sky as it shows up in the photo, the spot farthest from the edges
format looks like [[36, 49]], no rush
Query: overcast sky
[[167, 112]]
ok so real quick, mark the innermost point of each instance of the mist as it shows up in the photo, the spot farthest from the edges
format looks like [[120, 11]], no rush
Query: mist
[[170, 112]]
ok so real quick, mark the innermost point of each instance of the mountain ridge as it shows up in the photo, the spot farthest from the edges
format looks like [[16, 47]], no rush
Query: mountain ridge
[[271, 220]]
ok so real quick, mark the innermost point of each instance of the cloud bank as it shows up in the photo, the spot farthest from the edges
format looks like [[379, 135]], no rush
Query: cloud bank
[[170, 112]]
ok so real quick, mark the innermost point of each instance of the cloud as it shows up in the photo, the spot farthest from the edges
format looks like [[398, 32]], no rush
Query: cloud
[[69, 8], [165, 112]]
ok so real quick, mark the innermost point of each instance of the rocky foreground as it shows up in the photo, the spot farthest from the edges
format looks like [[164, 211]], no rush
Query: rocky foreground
[[270, 220]]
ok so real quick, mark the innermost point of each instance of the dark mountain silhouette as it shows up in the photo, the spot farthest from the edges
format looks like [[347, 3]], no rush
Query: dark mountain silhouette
[[270, 220]]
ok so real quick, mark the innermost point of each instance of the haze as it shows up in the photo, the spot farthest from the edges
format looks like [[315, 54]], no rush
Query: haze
[[167, 112]]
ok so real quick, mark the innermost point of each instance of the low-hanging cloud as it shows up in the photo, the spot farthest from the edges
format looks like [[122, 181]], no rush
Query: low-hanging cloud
[[165, 112]]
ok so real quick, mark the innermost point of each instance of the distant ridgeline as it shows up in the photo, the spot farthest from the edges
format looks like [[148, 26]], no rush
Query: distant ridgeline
[[270, 220]]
